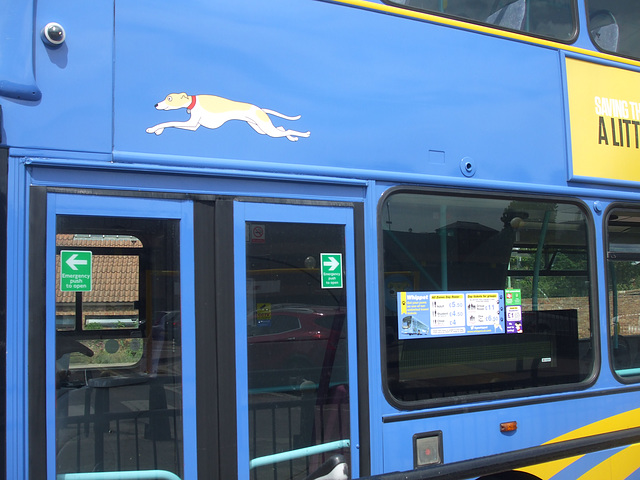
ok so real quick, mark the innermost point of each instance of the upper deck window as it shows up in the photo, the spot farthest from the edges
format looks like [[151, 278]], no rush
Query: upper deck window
[[553, 19], [614, 26]]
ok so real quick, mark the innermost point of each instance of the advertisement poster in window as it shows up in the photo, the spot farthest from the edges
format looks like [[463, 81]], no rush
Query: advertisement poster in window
[[439, 314]]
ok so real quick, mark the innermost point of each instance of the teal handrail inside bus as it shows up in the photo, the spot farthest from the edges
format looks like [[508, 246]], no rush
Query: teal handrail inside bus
[[614, 301], [538, 261], [299, 453], [129, 475], [413, 259]]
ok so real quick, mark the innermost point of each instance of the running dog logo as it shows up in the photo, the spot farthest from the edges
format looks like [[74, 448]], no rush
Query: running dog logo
[[212, 112]]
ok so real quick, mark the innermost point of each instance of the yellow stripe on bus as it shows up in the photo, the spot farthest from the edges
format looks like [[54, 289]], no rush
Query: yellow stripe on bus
[[433, 18], [547, 470], [621, 421], [620, 465]]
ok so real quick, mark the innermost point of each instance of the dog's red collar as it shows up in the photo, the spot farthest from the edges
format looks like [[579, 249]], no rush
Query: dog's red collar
[[192, 104]]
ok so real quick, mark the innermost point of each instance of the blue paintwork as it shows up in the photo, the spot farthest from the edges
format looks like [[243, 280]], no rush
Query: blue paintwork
[[16, 57], [360, 116], [75, 79], [16, 364], [299, 58], [387, 100]]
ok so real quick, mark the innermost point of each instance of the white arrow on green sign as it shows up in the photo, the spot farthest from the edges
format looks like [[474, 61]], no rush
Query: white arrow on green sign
[[75, 271], [331, 269]]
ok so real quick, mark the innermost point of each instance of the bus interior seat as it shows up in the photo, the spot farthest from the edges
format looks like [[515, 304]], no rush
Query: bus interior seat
[[626, 351], [510, 16], [604, 30], [335, 468]]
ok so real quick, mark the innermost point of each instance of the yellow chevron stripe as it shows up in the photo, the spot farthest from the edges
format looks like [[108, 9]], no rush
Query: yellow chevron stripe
[[621, 421], [620, 465], [545, 471]]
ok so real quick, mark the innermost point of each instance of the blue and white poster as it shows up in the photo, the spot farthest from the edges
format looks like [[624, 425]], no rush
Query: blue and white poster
[[438, 314]]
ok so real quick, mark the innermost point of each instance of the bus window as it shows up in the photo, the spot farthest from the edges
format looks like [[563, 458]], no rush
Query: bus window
[[118, 350], [297, 349], [553, 19], [110, 309], [483, 295], [624, 291], [614, 26]]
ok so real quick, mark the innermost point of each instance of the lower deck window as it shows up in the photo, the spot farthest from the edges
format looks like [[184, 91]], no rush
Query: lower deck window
[[623, 258], [483, 295]]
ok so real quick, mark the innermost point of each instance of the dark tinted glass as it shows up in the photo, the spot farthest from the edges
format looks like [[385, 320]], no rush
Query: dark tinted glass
[[483, 295], [553, 19]]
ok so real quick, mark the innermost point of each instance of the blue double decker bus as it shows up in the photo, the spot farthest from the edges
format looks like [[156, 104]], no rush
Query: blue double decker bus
[[320, 239]]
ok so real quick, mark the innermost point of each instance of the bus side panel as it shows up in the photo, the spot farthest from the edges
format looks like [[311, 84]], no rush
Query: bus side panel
[[374, 91], [75, 78], [475, 435]]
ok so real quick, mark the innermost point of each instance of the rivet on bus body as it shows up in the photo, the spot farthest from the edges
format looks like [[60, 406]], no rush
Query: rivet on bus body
[[467, 167], [597, 207]]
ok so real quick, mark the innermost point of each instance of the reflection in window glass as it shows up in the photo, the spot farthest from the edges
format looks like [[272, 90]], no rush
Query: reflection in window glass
[[112, 302], [483, 295], [297, 350], [546, 18], [614, 26], [118, 351], [624, 291]]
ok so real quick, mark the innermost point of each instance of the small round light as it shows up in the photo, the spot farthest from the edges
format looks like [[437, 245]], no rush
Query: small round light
[[53, 34]]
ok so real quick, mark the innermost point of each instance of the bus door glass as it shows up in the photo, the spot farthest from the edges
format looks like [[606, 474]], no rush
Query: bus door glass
[[296, 336], [118, 339]]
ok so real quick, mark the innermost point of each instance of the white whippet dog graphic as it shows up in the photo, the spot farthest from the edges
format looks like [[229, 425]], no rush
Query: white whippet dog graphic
[[211, 112]]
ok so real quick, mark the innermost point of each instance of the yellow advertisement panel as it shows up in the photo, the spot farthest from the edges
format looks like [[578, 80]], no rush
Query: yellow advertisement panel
[[604, 109]]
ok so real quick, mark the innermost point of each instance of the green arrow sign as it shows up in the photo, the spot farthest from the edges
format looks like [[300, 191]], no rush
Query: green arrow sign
[[75, 271], [331, 268]]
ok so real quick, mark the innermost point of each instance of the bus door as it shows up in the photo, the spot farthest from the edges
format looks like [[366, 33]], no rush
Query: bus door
[[295, 341], [119, 338]]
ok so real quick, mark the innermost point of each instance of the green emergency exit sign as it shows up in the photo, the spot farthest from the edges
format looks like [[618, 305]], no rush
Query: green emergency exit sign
[[75, 271], [331, 269]]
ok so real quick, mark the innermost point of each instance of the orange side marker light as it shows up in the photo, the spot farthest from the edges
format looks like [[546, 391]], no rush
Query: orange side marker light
[[508, 427]]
